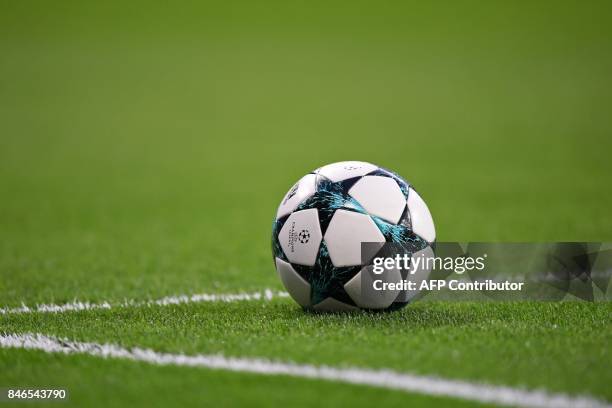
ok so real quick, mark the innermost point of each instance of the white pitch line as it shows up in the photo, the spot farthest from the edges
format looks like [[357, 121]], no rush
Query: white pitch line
[[378, 378], [266, 294]]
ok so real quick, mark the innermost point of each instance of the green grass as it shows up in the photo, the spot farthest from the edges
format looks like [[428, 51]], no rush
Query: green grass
[[93, 382], [520, 344], [144, 149]]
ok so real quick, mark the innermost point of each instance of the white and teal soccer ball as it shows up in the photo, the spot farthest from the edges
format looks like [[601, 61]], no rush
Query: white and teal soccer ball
[[322, 221]]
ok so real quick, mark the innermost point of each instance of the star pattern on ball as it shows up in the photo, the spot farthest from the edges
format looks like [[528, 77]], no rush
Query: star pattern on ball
[[365, 194]]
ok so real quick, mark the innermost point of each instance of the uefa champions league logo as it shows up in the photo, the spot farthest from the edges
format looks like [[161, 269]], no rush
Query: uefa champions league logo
[[304, 236], [297, 236]]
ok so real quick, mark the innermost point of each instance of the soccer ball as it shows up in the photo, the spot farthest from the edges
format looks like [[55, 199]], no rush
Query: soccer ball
[[321, 223]]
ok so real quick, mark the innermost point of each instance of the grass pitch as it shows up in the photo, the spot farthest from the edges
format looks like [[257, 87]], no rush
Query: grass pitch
[[144, 149], [517, 344]]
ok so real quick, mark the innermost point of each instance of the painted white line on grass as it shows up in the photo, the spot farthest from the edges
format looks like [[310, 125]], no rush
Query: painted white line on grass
[[377, 378], [266, 294]]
